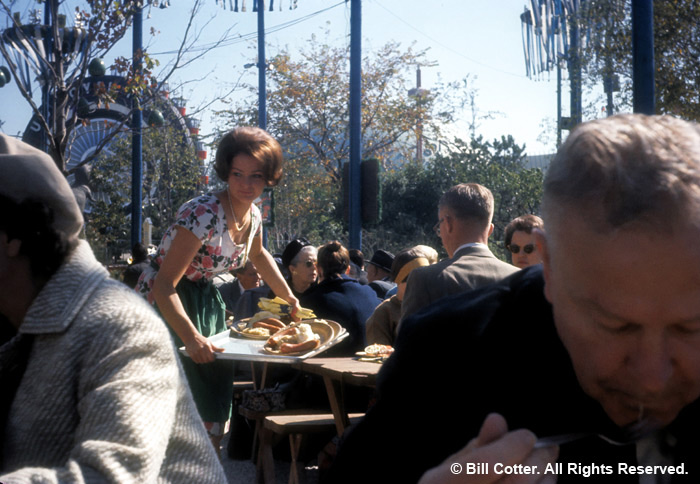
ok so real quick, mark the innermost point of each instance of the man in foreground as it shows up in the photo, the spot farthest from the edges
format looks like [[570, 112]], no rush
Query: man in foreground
[[604, 336], [92, 390]]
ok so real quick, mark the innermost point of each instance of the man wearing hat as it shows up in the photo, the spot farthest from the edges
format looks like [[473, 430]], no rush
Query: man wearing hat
[[379, 272], [92, 389], [464, 225]]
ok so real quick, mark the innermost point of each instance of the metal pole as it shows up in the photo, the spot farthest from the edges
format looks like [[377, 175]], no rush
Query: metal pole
[[419, 123], [643, 56], [262, 90], [136, 143], [355, 198], [558, 104], [45, 99], [262, 66], [575, 73]]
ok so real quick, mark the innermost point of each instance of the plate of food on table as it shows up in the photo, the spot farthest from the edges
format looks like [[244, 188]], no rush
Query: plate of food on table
[[375, 353]]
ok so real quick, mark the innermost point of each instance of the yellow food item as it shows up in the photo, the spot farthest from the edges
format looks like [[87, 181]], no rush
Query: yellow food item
[[260, 315], [257, 331], [280, 307]]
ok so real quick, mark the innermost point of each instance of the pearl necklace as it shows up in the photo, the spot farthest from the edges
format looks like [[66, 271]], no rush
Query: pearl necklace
[[235, 220]]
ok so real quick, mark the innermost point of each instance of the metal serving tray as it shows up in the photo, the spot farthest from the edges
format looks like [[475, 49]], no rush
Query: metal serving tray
[[244, 349]]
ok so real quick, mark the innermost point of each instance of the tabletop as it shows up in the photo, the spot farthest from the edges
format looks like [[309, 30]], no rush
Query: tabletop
[[346, 369]]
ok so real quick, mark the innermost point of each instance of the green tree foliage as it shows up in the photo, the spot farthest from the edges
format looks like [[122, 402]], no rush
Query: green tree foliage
[[411, 195], [307, 111], [607, 29], [171, 176]]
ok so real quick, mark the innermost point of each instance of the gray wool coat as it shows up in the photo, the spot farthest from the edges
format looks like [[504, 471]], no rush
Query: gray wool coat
[[103, 397]]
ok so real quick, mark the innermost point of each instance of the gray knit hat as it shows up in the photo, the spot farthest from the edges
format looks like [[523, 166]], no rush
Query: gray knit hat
[[27, 173]]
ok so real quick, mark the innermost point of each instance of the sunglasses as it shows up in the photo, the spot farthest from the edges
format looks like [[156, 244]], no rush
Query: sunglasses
[[309, 263], [515, 248]]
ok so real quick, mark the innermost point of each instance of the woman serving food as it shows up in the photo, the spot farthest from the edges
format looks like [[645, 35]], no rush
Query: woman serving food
[[214, 233]]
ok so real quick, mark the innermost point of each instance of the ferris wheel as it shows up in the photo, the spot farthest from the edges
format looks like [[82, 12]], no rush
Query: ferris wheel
[[28, 47]]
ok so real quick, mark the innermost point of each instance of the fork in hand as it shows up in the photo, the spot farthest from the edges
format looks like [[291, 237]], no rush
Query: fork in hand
[[628, 435]]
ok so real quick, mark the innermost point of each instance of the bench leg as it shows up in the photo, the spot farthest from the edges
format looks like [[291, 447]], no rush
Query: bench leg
[[294, 445], [266, 462]]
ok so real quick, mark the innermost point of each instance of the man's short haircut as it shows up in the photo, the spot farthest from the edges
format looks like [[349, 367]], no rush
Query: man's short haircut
[[524, 223], [624, 169], [254, 142], [243, 268], [469, 201]]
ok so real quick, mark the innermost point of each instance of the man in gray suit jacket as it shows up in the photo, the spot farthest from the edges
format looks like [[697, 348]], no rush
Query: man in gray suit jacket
[[464, 224]]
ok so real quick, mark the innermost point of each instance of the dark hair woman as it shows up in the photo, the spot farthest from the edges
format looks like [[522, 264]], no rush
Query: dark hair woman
[[213, 233], [341, 298]]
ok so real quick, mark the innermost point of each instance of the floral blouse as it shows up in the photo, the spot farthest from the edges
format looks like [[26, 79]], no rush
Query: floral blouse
[[204, 217]]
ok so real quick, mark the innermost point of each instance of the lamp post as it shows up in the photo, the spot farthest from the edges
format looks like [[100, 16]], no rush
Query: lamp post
[[262, 66], [643, 56], [136, 142], [355, 198]]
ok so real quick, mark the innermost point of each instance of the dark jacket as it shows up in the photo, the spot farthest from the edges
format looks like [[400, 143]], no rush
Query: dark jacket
[[347, 302], [494, 349]]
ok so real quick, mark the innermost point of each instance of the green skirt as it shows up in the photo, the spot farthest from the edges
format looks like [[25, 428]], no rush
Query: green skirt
[[211, 383]]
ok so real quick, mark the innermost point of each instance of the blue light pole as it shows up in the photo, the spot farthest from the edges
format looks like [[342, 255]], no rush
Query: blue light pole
[[262, 90], [355, 197], [262, 66], [136, 143], [643, 56]]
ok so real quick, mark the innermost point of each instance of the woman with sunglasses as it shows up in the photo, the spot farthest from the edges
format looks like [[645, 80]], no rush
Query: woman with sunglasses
[[299, 258], [520, 241]]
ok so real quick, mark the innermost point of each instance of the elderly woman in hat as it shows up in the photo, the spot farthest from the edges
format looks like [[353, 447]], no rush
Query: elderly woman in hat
[[299, 258], [382, 326]]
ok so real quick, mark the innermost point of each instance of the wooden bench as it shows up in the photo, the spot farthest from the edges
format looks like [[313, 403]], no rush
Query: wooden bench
[[294, 425], [258, 418]]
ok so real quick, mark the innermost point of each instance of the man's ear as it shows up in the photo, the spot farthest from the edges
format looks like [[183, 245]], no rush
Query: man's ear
[[543, 249], [449, 223], [490, 230], [11, 247]]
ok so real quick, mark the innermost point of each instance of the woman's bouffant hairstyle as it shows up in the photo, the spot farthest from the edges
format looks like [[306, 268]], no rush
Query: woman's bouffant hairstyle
[[333, 259], [254, 142], [524, 223]]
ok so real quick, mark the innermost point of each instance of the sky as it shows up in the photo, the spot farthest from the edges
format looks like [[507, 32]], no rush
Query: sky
[[479, 38]]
